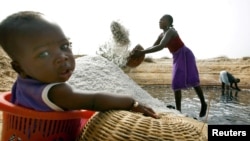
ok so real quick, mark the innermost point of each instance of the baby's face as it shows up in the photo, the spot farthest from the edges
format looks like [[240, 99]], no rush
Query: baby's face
[[45, 54]]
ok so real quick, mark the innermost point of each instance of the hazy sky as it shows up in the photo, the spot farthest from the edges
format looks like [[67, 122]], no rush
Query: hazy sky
[[211, 28]]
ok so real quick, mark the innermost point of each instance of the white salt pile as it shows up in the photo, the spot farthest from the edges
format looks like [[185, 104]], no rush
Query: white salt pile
[[103, 73], [96, 73]]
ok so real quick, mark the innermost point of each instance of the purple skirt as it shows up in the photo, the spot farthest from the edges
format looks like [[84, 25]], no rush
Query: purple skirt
[[185, 73]]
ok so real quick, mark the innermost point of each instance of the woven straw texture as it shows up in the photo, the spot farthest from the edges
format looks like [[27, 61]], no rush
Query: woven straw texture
[[134, 61], [129, 126]]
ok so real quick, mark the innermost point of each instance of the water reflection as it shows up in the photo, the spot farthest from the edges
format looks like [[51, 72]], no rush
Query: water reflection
[[228, 107], [229, 96]]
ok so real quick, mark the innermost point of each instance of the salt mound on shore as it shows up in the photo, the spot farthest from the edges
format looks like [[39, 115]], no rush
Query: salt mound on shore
[[95, 73]]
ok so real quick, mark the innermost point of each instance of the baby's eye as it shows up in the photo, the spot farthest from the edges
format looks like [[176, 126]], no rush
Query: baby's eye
[[44, 54], [66, 46]]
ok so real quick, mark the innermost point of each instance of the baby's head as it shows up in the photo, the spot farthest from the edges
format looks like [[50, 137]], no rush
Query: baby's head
[[37, 46]]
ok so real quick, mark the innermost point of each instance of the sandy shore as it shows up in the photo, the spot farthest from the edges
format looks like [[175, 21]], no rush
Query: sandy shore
[[158, 71]]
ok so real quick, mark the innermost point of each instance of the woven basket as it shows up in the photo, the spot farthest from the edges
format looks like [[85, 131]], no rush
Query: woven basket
[[129, 126], [134, 61]]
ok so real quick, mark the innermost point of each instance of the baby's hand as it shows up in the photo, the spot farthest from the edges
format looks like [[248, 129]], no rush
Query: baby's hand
[[145, 110]]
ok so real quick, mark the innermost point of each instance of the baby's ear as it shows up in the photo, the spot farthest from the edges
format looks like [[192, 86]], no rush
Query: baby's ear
[[15, 66]]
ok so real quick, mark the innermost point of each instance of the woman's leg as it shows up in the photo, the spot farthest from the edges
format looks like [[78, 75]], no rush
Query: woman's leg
[[177, 95], [199, 92]]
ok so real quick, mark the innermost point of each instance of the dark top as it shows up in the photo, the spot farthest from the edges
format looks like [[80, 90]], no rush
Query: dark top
[[174, 44]]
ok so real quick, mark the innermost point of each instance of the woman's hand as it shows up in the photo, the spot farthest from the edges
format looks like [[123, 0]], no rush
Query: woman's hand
[[238, 89], [135, 57], [136, 53]]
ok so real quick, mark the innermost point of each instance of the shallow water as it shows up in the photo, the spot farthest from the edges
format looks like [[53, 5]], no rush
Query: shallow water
[[231, 108], [103, 75]]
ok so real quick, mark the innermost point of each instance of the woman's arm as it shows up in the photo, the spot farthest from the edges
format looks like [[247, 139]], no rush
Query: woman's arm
[[158, 39], [236, 86], [159, 44]]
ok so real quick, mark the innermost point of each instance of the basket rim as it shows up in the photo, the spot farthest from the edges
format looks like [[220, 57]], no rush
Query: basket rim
[[135, 61], [12, 109]]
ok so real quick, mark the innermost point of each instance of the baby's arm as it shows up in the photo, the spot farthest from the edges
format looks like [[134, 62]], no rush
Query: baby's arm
[[63, 96]]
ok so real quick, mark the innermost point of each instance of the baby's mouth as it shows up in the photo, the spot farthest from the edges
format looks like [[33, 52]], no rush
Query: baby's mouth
[[66, 73]]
